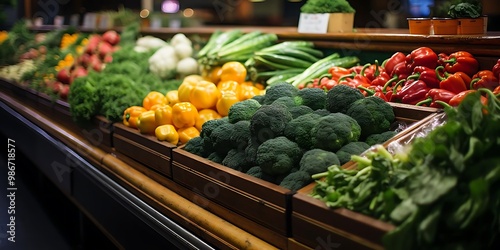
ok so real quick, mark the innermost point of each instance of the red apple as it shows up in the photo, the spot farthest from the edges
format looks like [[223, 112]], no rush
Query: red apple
[[64, 75], [92, 44], [104, 49], [78, 72], [111, 36], [108, 58], [64, 91]]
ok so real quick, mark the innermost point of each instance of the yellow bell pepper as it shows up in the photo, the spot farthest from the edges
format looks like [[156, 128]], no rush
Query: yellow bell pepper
[[152, 98], [163, 115], [167, 133], [146, 122], [204, 95], [233, 71], [184, 90], [225, 102], [215, 74], [232, 86], [172, 97], [205, 115], [247, 92], [184, 114], [131, 115], [186, 134]]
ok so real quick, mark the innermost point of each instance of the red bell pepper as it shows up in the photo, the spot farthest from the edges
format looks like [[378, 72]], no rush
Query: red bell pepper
[[337, 72], [422, 56], [412, 92], [455, 83], [458, 98], [374, 91], [461, 61], [395, 59], [399, 73], [370, 71], [427, 75], [484, 79], [496, 91], [496, 69], [381, 79], [354, 80], [441, 58], [434, 95], [356, 69]]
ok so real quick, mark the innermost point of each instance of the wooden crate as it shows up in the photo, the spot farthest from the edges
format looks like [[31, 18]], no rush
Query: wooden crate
[[263, 202], [316, 225], [146, 149]]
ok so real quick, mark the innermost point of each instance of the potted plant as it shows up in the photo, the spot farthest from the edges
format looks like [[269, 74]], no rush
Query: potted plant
[[469, 17], [338, 14]]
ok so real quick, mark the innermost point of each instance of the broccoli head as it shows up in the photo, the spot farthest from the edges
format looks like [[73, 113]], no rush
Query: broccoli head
[[317, 161], [373, 114], [269, 122], [278, 155], [83, 100], [206, 132], [299, 129], [221, 138], [236, 160], [256, 171], [351, 148], [216, 157], [313, 98], [340, 97], [259, 98], [240, 135], [195, 146], [322, 112], [380, 138], [334, 131], [287, 101], [299, 110], [243, 111], [278, 90], [296, 180]]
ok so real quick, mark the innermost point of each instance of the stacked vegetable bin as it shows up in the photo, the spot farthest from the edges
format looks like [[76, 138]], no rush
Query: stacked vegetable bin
[[288, 218]]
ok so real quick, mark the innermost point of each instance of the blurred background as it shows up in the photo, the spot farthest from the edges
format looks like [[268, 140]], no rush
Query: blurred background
[[188, 13]]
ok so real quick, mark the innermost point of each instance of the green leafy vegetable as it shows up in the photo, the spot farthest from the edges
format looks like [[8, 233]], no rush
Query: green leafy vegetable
[[327, 6]]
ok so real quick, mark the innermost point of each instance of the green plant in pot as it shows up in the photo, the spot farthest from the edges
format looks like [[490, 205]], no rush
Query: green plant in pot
[[341, 13], [469, 15]]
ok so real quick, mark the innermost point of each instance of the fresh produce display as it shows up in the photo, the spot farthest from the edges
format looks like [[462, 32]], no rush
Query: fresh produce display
[[441, 190], [178, 115], [288, 134]]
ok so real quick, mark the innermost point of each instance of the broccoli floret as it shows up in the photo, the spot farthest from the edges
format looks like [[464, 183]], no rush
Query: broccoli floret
[[317, 161], [334, 131], [236, 160], [312, 97], [221, 138], [299, 110], [278, 155], [195, 146], [243, 111], [83, 100], [299, 129], [251, 149], [256, 171], [278, 90], [380, 138], [206, 132], [269, 122], [322, 112], [240, 135], [352, 148], [259, 98], [296, 180], [340, 97], [373, 114], [287, 101], [216, 157]]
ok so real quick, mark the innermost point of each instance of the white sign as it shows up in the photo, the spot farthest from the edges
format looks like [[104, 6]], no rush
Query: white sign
[[313, 23]]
